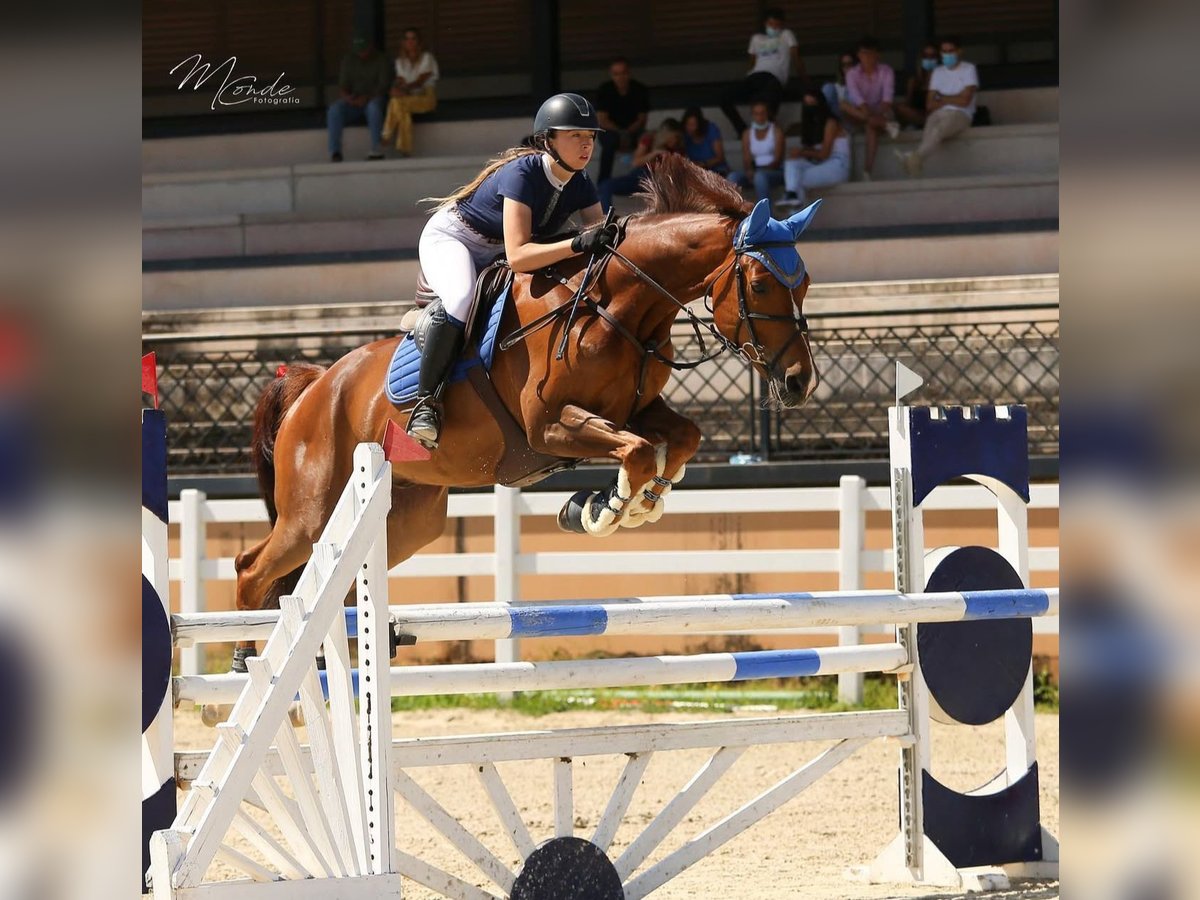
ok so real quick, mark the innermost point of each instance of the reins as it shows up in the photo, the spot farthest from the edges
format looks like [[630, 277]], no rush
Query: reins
[[652, 349]]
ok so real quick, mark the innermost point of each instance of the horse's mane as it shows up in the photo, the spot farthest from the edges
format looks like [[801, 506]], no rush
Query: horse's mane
[[675, 184]]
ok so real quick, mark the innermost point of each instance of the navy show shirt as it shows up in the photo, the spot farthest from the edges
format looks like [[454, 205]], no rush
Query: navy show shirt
[[524, 179]]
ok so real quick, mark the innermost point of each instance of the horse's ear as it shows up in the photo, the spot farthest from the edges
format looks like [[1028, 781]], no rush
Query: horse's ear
[[800, 220], [756, 222]]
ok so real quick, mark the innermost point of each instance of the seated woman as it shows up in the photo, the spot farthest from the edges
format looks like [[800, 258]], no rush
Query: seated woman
[[762, 153], [667, 139], [911, 110], [412, 91], [823, 157], [702, 141]]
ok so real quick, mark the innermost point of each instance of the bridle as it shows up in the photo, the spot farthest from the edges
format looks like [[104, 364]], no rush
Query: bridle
[[752, 351]]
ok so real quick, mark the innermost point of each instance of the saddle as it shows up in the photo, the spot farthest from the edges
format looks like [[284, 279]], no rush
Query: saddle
[[490, 284], [520, 464]]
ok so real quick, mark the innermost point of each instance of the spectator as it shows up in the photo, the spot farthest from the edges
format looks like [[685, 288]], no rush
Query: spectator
[[911, 110], [363, 83], [775, 56], [667, 139], [823, 158], [412, 91], [835, 91], [622, 105], [762, 153], [951, 104], [702, 141], [870, 87]]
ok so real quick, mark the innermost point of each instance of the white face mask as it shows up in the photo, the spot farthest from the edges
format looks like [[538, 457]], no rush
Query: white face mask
[[774, 32]]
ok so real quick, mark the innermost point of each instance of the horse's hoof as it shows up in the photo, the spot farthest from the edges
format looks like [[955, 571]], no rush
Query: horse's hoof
[[240, 655], [296, 714], [570, 517], [213, 714]]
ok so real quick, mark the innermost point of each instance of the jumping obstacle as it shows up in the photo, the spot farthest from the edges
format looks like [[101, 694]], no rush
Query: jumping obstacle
[[333, 809], [158, 775]]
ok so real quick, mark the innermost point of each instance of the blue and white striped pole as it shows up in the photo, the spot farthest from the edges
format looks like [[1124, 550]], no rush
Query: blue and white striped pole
[[655, 615], [487, 678]]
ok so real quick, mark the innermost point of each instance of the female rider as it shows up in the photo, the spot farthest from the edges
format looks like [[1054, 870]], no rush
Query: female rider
[[525, 193]]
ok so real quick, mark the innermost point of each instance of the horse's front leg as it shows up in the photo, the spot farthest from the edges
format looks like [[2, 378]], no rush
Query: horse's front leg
[[676, 440], [582, 434]]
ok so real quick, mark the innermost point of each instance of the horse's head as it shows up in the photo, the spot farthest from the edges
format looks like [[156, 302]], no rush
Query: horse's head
[[759, 305]]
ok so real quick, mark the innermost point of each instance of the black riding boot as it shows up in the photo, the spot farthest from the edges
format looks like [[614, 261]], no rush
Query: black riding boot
[[443, 341]]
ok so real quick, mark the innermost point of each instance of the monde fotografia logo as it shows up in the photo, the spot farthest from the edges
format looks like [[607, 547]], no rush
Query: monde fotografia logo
[[232, 89]]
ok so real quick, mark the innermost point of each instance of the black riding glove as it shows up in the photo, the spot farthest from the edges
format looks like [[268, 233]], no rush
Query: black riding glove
[[596, 240]]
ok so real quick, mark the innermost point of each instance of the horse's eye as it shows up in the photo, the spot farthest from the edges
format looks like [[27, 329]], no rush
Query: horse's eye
[[759, 287]]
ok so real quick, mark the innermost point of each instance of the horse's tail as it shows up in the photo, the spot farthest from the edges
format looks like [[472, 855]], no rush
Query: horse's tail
[[276, 400]]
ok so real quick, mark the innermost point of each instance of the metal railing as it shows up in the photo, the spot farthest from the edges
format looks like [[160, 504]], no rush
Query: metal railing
[[209, 384]]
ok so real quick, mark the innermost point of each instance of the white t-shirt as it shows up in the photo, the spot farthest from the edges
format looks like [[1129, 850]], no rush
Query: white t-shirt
[[948, 82], [411, 71], [773, 54]]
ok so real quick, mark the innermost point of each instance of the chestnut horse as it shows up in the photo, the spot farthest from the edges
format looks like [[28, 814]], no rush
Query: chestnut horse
[[697, 239]]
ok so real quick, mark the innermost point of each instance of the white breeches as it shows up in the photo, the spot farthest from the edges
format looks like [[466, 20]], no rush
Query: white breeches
[[452, 254]]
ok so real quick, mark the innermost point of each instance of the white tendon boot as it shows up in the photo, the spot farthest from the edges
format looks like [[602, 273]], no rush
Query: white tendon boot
[[605, 510], [648, 505]]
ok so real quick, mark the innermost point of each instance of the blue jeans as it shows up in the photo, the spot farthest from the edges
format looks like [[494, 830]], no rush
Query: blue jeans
[[829, 89], [763, 181], [799, 174], [342, 114], [622, 185]]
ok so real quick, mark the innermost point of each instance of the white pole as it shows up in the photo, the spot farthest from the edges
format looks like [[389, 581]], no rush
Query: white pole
[[851, 527], [192, 535], [507, 545]]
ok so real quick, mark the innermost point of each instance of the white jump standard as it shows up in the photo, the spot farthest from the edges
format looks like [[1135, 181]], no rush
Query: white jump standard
[[331, 803]]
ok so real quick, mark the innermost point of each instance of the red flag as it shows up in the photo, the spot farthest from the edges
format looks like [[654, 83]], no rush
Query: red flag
[[150, 377], [399, 447]]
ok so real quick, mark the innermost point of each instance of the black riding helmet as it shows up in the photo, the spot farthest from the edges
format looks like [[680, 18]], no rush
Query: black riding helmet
[[564, 112]]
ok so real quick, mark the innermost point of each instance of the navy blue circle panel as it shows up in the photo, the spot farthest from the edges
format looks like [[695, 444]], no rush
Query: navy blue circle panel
[[568, 868], [156, 653], [975, 670]]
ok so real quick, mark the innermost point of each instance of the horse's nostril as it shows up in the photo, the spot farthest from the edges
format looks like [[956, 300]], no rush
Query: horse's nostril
[[797, 384]]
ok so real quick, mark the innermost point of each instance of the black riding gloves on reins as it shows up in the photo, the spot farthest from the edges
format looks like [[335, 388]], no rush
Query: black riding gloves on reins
[[596, 240]]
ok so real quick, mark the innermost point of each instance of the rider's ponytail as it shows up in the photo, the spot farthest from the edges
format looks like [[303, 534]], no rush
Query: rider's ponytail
[[531, 145]]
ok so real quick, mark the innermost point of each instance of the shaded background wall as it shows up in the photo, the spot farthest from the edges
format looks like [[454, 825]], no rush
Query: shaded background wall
[[517, 48]]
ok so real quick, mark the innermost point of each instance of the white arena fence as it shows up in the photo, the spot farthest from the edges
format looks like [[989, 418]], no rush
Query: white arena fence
[[852, 499]]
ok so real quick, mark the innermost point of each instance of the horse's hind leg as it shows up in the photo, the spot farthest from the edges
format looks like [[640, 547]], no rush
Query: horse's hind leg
[[283, 551], [259, 569]]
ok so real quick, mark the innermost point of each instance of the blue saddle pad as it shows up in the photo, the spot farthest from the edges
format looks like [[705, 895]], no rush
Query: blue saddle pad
[[406, 361]]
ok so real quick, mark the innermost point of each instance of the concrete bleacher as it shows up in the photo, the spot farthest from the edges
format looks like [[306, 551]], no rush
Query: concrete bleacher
[[261, 218], [334, 278]]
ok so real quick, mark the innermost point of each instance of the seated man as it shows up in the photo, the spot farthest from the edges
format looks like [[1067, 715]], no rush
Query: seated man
[[870, 88], [775, 59], [950, 107], [363, 82], [622, 104]]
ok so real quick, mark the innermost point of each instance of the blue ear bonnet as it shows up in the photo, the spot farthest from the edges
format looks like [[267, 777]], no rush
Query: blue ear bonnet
[[773, 242]]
